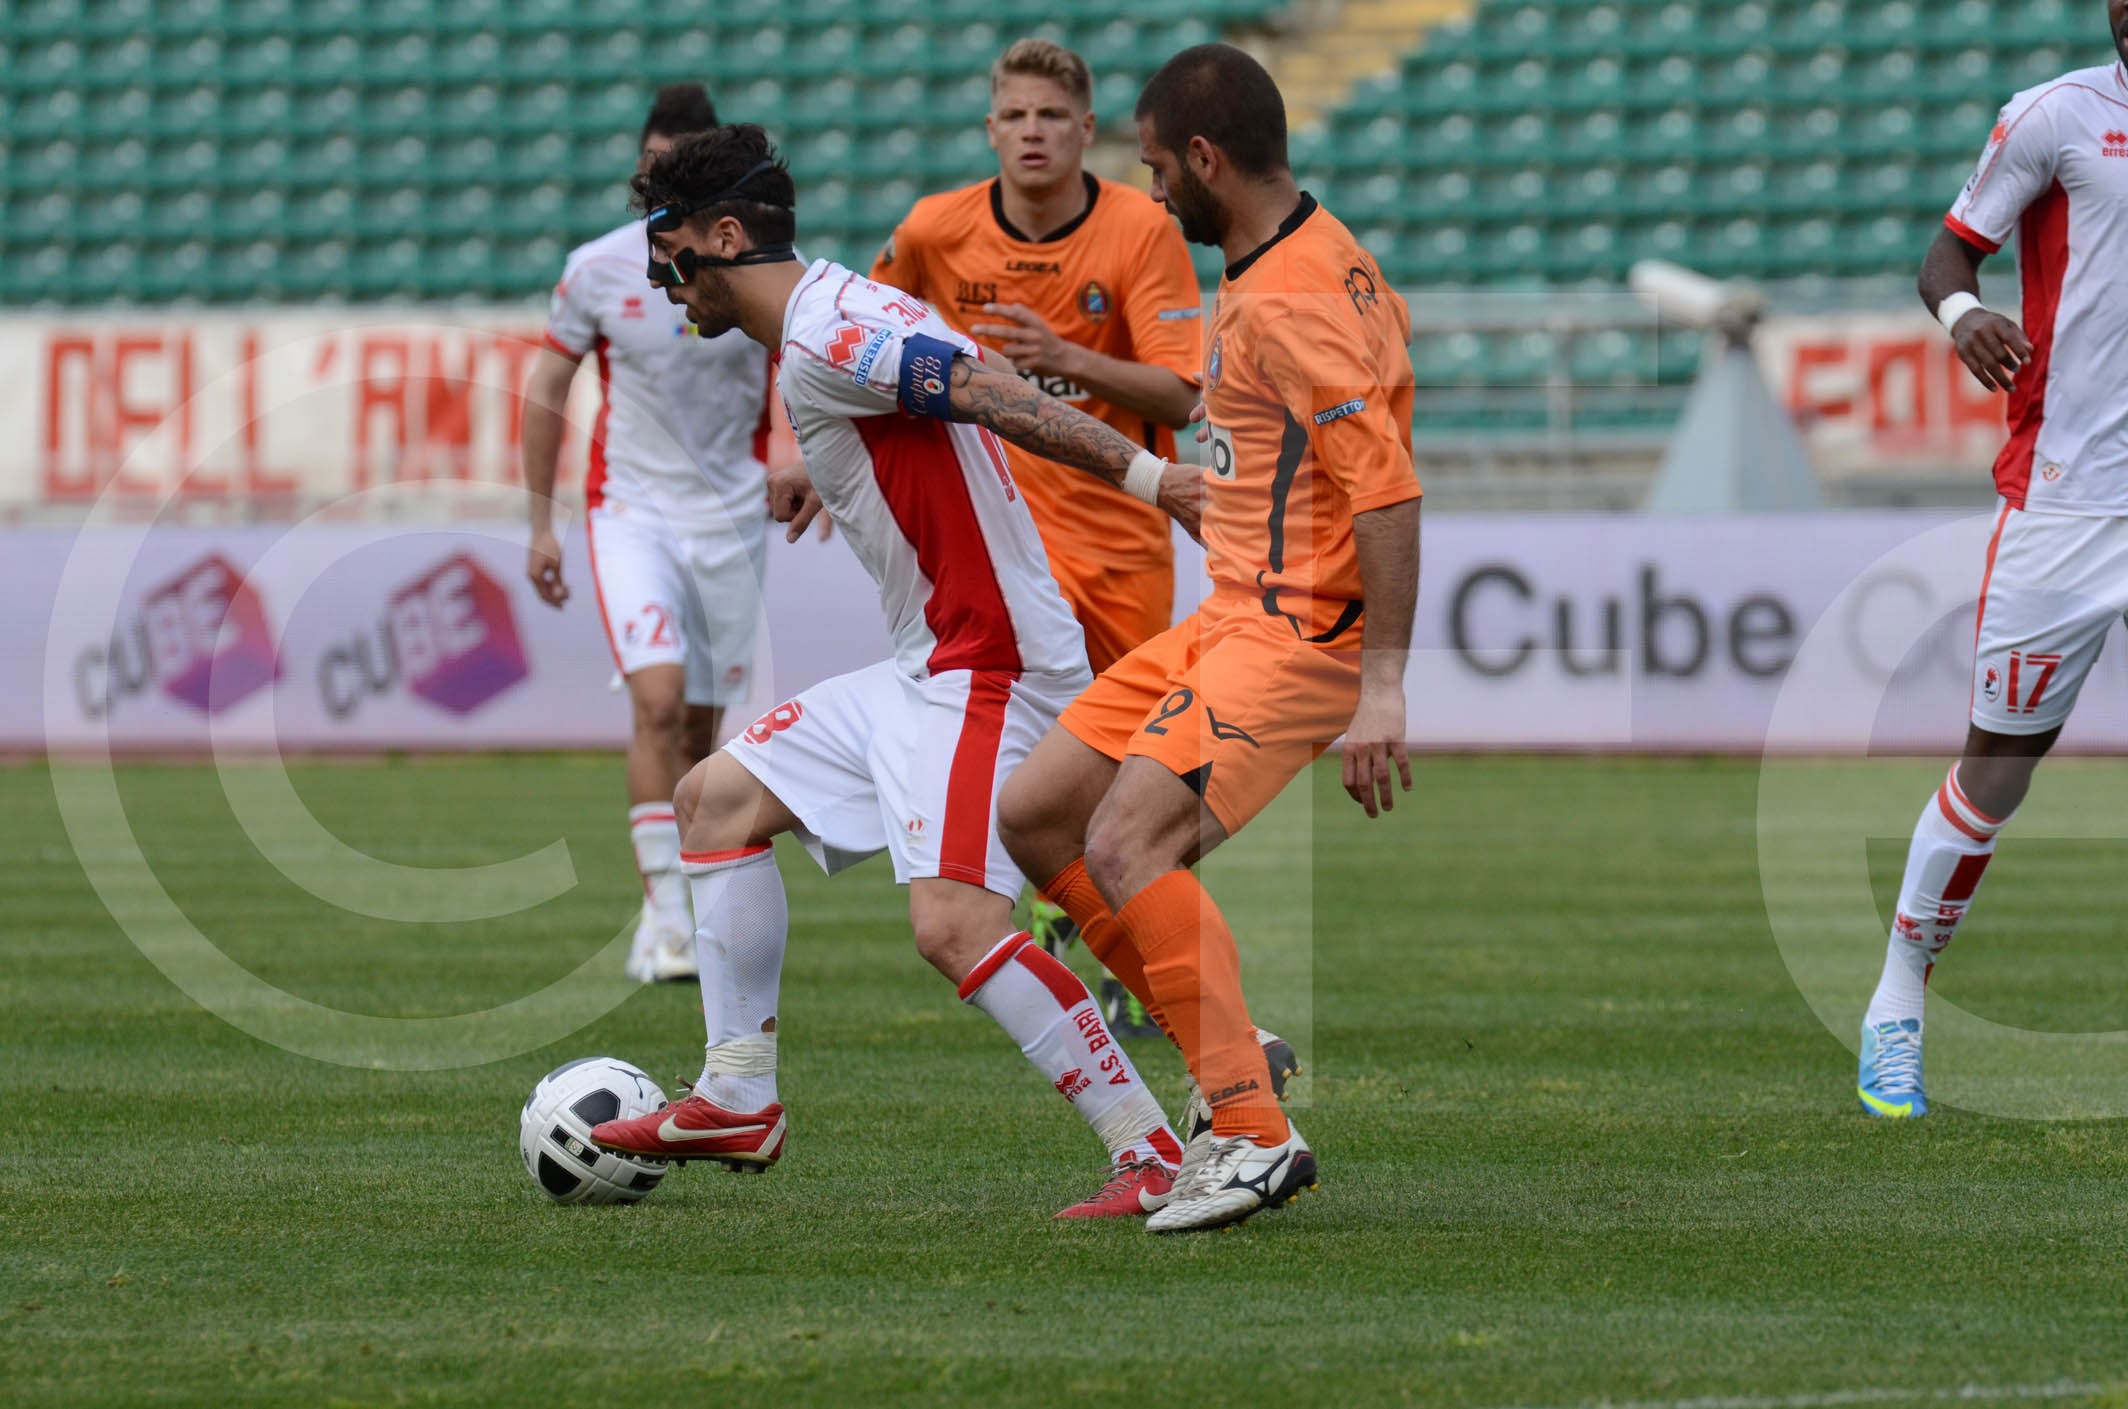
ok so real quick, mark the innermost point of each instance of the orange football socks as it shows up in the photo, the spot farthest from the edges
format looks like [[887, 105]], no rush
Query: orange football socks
[[1073, 891], [1194, 970]]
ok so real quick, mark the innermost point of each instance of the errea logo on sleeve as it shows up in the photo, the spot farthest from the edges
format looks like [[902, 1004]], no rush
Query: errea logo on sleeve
[[1340, 411], [854, 351]]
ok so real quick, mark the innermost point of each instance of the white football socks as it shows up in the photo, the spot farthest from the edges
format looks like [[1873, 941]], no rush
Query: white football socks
[[1046, 1009], [1952, 844], [742, 923], [656, 838]]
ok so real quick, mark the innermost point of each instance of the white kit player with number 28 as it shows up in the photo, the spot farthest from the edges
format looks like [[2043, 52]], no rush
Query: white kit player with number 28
[[895, 414], [2055, 577], [675, 525]]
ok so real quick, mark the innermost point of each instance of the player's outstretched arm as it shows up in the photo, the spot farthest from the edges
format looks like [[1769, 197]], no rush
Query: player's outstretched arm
[[1044, 426], [1387, 542], [1991, 346]]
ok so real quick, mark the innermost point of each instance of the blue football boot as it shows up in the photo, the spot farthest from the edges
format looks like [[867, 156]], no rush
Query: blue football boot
[[1890, 1080]]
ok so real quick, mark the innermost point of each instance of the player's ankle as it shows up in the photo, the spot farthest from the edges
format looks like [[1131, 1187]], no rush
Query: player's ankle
[[1265, 1124]]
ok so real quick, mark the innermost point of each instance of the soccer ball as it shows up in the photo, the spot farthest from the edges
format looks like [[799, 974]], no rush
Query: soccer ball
[[554, 1132]]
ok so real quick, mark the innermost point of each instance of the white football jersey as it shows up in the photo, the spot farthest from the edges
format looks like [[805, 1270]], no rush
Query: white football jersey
[[927, 505], [2055, 173], [683, 420]]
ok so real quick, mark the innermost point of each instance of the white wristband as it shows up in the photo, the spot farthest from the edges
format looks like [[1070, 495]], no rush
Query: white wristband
[[1954, 307], [1142, 479]]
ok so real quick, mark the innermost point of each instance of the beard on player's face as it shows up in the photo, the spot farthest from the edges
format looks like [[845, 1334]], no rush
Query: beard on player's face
[[1194, 206], [710, 305]]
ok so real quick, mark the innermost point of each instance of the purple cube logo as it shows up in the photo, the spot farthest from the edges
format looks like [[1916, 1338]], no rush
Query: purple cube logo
[[456, 637], [207, 634]]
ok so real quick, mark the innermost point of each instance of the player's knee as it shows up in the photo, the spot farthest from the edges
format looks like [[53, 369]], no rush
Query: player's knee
[[935, 940], [1113, 854], [1997, 786], [1996, 770], [1025, 820], [714, 804], [945, 943], [660, 709], [687, 798], [956, 925]]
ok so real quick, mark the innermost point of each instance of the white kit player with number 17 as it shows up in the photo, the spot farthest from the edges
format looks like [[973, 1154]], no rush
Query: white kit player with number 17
[[2055, 578], [895, 414]]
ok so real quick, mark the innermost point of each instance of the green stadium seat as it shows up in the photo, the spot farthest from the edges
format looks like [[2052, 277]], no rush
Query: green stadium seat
[[394, 149], [1772, 138]]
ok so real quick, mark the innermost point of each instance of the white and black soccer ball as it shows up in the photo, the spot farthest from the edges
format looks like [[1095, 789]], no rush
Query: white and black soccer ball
[[554, 1132]]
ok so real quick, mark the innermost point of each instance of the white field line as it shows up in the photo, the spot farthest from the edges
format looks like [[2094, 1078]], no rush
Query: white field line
[[1832, 1399]]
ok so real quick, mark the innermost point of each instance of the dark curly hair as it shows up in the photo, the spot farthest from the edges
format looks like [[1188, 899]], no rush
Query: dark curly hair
[[704, 163], [679, 108]]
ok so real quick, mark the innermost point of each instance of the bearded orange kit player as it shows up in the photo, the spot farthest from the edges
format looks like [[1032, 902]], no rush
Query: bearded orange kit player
[[1087, 288], [1311, 533]]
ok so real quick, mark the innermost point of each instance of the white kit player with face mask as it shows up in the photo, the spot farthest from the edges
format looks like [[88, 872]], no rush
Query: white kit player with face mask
[[898, 419], [675, 525], [2054, 177]]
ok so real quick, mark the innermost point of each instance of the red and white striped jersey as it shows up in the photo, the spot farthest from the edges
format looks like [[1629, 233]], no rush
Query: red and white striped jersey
[[927, 505], [2055, 173], [683, 420]]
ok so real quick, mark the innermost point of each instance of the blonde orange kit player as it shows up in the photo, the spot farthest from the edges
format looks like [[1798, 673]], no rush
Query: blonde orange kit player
[[1086, 286], [1311, 531]]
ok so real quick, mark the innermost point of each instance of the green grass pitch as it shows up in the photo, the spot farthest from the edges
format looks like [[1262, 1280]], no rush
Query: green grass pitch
[[1581, 1139]]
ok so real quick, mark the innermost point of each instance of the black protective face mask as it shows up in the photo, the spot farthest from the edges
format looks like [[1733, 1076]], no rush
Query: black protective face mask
[[668, 273]]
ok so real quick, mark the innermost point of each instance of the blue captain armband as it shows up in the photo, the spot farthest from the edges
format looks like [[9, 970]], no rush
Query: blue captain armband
[[925, 364]]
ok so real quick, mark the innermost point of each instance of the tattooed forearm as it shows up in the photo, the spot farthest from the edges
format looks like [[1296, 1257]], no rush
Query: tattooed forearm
[[1037, 423]]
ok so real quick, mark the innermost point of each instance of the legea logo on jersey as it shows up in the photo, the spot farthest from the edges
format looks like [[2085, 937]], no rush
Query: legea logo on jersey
[[449, 636], [202, 636]]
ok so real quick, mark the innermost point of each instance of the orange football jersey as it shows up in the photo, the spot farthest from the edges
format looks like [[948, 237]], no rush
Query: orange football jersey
[[1308, 389], [1117, 280]]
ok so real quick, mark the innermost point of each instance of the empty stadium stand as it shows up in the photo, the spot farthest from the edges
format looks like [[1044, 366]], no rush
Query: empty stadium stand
[[1510, 165], [1554, 144], [226, 150], [1546, 147]]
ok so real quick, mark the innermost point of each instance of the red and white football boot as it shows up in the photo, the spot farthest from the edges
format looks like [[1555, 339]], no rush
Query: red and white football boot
[[1125, 1195], [698, 1129]]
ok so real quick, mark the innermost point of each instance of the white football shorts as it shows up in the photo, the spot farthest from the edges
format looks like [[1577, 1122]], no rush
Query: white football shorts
[[875, 761], [2054, 584], [676, 597]]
